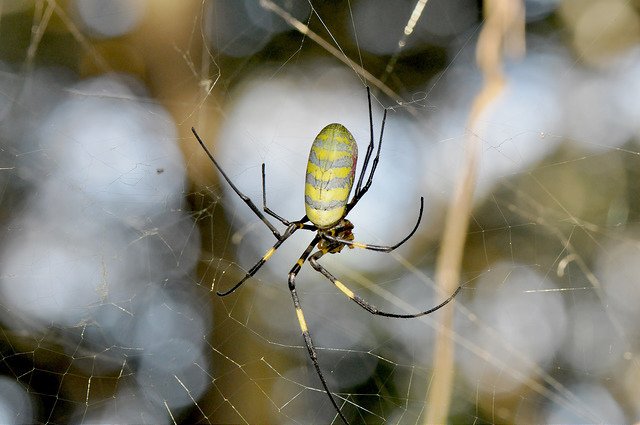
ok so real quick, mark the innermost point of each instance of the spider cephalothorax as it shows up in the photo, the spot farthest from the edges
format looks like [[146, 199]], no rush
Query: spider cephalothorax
[[342, 230], [329, 180]]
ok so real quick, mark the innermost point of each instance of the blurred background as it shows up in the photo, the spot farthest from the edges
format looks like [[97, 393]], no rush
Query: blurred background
[[116, 230]]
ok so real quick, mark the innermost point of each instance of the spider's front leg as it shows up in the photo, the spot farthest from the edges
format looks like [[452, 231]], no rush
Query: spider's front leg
[[267, 255], [313, 260], [303, 323]]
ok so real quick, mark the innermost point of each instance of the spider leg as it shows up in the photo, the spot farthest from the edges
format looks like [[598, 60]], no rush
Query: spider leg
[[269, 210], [360, 191], [290, 230], [242, 196], [303, 324], [369, 148], [380, 248], [374, 165], [364, 304]]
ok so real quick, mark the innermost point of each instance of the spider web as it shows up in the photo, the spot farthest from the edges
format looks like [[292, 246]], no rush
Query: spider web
[[117, 231]]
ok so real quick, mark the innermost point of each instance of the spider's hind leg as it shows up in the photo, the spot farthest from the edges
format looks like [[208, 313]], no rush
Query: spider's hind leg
[[242, 196]]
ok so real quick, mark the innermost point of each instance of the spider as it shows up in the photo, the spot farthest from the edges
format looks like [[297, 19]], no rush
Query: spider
[[329, 179]]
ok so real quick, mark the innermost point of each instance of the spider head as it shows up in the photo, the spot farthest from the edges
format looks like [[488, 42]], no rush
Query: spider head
[[342, 230]]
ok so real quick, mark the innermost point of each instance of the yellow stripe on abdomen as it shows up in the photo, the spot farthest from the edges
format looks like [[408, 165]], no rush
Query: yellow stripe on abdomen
[[330, 173]]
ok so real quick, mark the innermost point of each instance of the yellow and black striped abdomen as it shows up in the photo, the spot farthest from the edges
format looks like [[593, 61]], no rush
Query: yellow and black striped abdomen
[[330, 173]]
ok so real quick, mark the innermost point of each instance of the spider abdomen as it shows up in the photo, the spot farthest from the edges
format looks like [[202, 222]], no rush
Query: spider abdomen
[[330, 172]]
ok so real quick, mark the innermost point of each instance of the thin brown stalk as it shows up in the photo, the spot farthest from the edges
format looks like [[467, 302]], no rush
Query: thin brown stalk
[[503, 30]]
